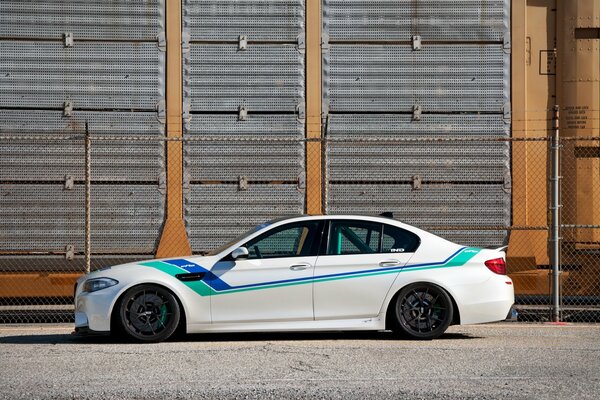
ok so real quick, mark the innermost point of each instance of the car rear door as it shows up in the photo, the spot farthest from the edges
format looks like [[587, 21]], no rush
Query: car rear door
[[357, 267]]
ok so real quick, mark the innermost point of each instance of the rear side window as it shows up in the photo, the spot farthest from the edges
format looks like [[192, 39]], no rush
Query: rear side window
[[398, 240], [354, 237]]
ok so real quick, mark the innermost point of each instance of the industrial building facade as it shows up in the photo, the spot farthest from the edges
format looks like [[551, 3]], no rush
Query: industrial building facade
[[204, 118]]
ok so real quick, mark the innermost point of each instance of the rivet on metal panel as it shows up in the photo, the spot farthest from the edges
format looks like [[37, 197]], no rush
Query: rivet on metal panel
[[185, 41], [417, 110], [162, 182], [161, 39], [187, 178], [416, 42], [507, 45], [242, 183], [416, 182], [242, 113], [161, 111], [507, 185], [69, 182], [67, 109], [69, 252], [243, 42], [324, 41], [68, 38], [301, 38], [507, 113], [301, 112], [301, 182]]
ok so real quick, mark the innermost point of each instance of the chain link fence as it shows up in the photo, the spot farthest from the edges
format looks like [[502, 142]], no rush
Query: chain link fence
[[80, 202]]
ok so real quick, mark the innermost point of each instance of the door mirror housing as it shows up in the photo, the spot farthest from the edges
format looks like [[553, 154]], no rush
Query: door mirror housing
[[240, 253]]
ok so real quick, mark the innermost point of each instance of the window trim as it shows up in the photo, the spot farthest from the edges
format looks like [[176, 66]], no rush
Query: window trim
[[327, 238], [314, 242]]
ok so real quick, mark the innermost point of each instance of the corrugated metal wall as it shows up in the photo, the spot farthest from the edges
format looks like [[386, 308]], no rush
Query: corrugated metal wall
[[242, 54], [65, 64], [381, 60]]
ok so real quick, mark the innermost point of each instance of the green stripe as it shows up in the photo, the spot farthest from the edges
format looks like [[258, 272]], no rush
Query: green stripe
[[197, 286], [203, 289]]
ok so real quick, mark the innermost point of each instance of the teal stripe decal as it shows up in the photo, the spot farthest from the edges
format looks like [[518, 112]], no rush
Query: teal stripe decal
[[203, 287]]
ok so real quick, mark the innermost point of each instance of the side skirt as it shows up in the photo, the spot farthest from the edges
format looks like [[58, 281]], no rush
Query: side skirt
[[362, 324]]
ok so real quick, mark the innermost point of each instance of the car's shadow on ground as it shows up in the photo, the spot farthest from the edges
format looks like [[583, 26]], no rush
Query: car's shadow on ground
[[54, 339]]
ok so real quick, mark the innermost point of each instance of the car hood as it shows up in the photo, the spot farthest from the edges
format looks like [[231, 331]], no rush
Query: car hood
[[130, 268]]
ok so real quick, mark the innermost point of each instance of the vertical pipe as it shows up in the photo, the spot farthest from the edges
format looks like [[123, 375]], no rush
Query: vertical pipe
[[555, 207], [88, 199]]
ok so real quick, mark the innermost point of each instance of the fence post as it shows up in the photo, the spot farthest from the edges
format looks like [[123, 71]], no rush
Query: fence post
[[88, 200], [555, 209]]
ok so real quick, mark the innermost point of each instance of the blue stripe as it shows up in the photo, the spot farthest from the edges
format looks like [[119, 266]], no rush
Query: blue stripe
[[218, 285]]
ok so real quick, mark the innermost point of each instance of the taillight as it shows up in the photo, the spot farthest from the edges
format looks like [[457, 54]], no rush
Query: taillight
[[497, 266]]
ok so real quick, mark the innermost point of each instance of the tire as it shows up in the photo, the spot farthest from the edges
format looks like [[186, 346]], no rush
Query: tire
[[422, 311], [148, 313]]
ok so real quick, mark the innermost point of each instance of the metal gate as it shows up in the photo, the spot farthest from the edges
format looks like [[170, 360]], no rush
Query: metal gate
[[65, 67], [243, 82], [416, 70]]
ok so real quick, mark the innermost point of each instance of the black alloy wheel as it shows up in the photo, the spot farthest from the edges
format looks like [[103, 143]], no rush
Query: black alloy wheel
[[423, 311], [149, 313]]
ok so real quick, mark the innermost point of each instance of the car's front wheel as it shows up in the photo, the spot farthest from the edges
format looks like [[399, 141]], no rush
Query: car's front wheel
[[422, 311], [148, 313]]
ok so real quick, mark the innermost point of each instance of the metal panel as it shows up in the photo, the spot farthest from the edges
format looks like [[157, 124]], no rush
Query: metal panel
[[46, 158], [46, 217], [103, 20], [440, 78], [433, 205], [234, 157], [259, 20], [374, 160], [91, 75], [261, 78], [216, 214], [398, 20]]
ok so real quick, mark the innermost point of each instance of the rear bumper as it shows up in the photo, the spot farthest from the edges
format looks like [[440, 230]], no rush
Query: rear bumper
[[490, 301]]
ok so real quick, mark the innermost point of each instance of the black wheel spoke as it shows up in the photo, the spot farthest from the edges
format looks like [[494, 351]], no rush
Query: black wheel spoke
[[424, 311]]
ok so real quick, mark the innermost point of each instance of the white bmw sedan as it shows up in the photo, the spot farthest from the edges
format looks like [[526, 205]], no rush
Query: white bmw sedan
[[303, 273]]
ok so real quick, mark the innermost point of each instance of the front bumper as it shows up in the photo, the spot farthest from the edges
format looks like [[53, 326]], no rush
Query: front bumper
[[92, 310]]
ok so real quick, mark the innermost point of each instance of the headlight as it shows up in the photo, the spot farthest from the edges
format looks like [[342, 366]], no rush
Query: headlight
[[93, 285]]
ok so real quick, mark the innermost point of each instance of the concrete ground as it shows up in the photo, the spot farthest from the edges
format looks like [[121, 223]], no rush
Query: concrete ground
[[506, 360]]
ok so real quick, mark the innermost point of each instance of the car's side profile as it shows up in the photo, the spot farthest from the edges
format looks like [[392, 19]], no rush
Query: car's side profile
[[300, 274]]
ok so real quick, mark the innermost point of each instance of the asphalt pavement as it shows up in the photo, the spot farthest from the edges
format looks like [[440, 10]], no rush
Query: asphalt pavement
[[496, 361]]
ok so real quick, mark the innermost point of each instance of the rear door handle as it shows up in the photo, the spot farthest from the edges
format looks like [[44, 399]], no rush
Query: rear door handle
[[300, 267], [389, 263]]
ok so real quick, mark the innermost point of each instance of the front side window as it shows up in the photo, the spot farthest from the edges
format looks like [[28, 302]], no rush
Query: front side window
[[398, 240], [354, 237], [292, 240]]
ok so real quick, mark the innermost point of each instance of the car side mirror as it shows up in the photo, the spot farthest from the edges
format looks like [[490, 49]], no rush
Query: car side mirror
[[240, 253]]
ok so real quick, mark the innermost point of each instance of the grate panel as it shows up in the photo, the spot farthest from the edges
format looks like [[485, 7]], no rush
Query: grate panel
[[233, 157], [51, 159], [440, 78], [261, 78], [259, 20], [431, 160], [91, 75], [216, 214], [47, 218], [451, 205], [433, 20]]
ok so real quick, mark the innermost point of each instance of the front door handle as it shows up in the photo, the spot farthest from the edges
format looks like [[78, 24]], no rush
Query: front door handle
[[300, 267], [389, 263]]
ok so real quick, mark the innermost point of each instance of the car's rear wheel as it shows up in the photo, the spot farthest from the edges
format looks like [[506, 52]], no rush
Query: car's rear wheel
[[422, 311], [149, 313]]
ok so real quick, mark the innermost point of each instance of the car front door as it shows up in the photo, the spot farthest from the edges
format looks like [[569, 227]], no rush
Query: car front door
[[360, 263], [275, 282]]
